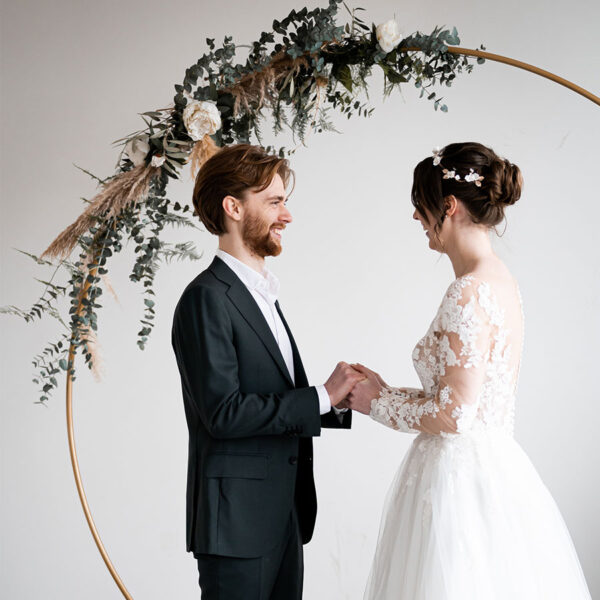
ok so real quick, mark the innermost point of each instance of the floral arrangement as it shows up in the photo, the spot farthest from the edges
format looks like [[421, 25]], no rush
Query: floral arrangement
[[307, 66]]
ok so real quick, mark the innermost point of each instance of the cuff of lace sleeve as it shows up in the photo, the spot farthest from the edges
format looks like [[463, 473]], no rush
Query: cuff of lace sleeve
[[378, 412], [379, 409], [389, 409]]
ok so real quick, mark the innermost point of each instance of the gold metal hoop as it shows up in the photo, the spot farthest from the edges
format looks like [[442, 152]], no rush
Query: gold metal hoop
[[73, 453], [69, 388], [527, 67]]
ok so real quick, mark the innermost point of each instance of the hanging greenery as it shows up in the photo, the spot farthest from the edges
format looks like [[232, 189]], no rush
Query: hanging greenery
[[297, 74]]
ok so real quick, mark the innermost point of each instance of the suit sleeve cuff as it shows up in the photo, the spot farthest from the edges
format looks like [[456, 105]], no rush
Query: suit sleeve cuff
[[324, 400]]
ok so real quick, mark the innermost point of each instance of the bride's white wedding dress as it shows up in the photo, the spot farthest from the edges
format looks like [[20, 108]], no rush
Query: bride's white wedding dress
[[467, 517]]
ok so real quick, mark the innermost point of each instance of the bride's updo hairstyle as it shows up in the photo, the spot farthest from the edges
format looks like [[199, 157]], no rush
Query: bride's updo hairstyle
[[435, 179]]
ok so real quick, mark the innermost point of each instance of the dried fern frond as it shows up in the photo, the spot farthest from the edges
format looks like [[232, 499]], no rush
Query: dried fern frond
[[91, 345], [202, 151], [256, 89], [121, 191]]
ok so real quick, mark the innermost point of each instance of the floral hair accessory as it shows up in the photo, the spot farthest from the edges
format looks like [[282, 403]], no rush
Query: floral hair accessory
[[471, 177], [449, 174]]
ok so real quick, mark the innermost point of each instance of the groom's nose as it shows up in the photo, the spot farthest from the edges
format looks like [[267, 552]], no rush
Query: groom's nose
[[286, 215]]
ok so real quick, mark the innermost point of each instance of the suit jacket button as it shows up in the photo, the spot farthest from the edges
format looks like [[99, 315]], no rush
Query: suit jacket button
[[293, 460]]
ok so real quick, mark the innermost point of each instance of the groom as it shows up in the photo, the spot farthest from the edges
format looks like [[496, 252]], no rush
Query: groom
[[251, 414]]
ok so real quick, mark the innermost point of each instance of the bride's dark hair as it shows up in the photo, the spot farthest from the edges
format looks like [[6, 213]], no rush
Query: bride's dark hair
[[500, 187]]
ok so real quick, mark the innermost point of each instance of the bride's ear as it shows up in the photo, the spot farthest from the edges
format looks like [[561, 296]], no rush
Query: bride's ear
[[450, 205]]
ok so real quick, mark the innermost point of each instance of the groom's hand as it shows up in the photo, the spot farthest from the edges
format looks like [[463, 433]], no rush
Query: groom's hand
[[363, 394], [341, 382]]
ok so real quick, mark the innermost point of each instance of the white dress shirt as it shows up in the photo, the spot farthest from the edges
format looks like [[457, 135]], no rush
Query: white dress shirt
[[264, 289]]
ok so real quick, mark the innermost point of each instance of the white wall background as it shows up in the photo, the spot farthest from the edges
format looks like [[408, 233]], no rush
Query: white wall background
[[358, 281]]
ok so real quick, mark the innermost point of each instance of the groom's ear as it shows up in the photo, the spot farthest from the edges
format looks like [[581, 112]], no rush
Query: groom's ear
[[232, 208]]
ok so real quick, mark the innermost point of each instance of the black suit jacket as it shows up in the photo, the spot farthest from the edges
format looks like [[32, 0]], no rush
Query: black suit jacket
[[250, 428]]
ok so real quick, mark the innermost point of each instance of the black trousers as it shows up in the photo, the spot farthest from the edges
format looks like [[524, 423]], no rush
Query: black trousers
[[275, 576]]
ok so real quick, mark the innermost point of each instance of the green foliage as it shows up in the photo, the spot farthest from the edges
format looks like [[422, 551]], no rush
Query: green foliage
[[332, 65]]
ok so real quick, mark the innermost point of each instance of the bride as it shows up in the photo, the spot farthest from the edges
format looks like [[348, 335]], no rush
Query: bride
[[467, 516]]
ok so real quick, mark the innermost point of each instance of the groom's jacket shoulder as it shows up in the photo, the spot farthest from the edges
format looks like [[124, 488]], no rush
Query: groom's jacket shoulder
[[217, 278], [208, 290]]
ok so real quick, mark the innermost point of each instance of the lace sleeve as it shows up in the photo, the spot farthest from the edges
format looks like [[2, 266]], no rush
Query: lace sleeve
[[454, 349], [394, 405]]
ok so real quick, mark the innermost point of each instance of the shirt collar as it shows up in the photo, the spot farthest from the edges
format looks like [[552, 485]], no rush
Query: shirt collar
[[265, 284]]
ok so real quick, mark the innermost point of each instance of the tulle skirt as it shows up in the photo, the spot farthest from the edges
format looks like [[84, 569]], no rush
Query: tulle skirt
[[468, 518]]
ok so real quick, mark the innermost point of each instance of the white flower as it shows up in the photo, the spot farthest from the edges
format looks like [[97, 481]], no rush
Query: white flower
[[157, 160], [388, 35], [437, 156], [474, 177], [137, 149], [471, 176], [201, 118]]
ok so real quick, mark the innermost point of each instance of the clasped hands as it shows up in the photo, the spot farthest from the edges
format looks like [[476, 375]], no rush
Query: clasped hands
[[354, 386]]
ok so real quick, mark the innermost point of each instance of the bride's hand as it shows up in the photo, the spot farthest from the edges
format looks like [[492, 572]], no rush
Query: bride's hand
[[365, 391], [368, 372]]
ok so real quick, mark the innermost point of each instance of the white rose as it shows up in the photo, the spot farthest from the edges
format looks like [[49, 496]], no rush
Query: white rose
[[157, 160], [137, 149], [388, 35], [201, 118]]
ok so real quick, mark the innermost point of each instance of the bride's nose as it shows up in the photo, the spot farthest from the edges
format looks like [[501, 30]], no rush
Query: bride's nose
[[415, 216]]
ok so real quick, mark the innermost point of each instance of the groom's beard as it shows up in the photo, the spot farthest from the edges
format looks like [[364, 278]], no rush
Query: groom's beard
[[256, 234]]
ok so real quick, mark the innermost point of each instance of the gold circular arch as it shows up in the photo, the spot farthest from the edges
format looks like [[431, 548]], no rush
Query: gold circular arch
[[69, 383], [527, 67]]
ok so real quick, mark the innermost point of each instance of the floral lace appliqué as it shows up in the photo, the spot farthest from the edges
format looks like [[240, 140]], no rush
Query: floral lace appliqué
[[464, 364]]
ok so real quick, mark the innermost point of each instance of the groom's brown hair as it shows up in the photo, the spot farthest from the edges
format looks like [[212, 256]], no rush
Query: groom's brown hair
[[233, 171]]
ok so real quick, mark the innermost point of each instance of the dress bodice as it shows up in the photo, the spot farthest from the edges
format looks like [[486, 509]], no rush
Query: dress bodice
[[467, 362]]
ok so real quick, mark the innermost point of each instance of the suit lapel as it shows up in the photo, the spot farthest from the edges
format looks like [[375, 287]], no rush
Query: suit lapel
[[301, 379], [247, 307]]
